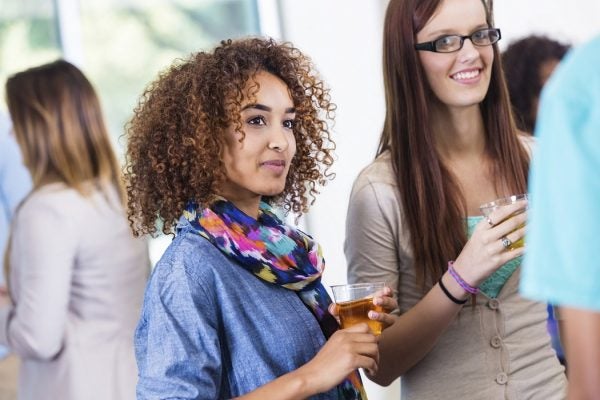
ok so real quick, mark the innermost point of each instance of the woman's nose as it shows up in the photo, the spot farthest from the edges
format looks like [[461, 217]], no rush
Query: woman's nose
[[468, 52], [278, 141]]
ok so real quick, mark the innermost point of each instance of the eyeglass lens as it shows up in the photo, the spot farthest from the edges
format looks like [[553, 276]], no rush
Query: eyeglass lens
[[483, 37]]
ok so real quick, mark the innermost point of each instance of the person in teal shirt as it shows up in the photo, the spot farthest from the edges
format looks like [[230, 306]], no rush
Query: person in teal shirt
[[562, 263]]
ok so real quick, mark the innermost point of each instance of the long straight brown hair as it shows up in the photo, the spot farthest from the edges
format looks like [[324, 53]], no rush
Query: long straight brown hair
[[59, 127], [433, 203]]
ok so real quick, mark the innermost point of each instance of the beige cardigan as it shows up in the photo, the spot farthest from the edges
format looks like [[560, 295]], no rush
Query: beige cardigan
[[498, 350], [77, 279]]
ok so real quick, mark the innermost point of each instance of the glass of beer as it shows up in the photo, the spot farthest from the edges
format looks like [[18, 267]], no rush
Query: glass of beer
[[487, 208], [354, 302]]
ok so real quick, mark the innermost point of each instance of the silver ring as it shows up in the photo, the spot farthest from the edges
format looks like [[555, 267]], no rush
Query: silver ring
[[489, 221], [506, 242]]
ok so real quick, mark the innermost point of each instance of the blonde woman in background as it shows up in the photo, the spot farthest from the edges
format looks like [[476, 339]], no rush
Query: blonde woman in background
[[76, 274]]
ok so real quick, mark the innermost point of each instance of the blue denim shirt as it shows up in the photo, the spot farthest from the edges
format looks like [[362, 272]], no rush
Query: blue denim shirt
[[211, 330]]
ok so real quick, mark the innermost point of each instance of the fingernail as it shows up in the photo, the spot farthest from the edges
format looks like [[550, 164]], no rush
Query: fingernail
[[373, 314]]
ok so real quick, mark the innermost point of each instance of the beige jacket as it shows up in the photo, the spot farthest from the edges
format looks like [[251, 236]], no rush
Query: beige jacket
[[498, 350], [77, 278]]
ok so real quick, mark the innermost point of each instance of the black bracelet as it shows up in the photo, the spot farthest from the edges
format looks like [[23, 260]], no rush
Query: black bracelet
[[449, 295]]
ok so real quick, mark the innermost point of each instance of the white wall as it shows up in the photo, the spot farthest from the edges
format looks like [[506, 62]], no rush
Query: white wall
[[567, 21], [344, 39]]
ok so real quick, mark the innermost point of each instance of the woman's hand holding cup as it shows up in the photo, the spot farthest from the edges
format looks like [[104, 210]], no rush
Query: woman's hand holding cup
[[369, 303], [495, 241]]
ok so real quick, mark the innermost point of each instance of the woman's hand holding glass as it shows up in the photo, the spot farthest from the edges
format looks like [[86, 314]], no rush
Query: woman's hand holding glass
[[487, 249], [387, 301], [384, 300], [351, 348], [344, 352]]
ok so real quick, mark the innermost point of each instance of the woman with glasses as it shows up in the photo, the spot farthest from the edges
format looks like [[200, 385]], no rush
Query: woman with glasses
[[449, 144]]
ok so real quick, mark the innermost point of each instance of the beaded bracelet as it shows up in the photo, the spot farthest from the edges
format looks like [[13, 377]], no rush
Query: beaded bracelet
[[449, 295], [461, 281]]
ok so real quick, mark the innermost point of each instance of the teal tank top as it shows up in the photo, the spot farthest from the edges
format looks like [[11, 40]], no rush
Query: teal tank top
[[494, 283]]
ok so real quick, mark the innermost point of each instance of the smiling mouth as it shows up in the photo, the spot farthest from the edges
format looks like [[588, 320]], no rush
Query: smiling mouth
[[275, 166], [464, 76], [273, 163]]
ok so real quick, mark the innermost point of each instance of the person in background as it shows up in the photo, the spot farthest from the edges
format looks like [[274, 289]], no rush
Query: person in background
[[528, 63], [449, 144], [15, 183], [76, 273], [561, 265], [236, 307]]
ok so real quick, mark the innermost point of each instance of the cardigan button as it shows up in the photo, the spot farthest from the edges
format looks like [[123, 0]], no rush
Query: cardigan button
[[496, 342], [501, 378], [494, 304]]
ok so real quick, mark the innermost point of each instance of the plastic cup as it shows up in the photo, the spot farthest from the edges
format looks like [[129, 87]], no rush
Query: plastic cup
[[354, 302], [488, 208]]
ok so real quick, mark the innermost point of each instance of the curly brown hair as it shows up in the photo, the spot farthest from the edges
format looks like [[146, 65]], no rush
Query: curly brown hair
[[176, 136], [522, 62]]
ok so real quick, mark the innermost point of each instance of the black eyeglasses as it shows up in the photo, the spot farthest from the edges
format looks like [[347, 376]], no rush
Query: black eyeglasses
[[452, 43]]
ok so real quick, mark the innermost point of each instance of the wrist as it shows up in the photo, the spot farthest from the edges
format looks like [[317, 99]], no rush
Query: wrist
[[458, 278], [453, 287], [453, 292], [302, 383]]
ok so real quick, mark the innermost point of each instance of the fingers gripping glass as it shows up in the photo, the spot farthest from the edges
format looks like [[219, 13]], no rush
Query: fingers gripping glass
[[452, 43]]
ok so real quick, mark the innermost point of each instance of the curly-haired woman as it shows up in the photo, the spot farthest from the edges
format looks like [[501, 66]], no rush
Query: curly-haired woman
[[235, 306], [528, 63]]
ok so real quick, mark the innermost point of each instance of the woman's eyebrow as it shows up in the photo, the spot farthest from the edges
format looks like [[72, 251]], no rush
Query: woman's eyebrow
[[445, 32], [263, 107]]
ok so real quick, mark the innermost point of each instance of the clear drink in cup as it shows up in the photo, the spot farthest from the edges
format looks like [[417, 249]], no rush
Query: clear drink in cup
[[354, 302]]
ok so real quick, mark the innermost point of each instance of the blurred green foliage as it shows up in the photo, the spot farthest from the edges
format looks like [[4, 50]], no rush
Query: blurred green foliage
[[126, 43], [28, 37]]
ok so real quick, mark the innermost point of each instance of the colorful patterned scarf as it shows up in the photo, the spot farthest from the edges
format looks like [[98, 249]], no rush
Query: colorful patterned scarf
[[276, 253]]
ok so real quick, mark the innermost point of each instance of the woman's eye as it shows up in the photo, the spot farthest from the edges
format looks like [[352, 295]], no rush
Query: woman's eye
[[446, 42], [260, 120], [480, 35], [289, 124]]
